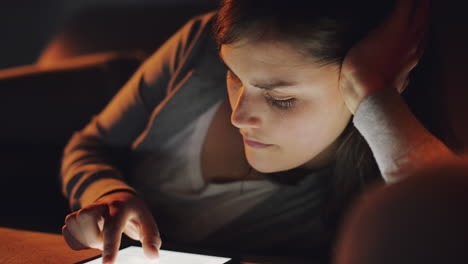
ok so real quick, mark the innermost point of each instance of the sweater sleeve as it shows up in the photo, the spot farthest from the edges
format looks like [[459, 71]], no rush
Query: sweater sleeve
[[400, 143], [89, 168]]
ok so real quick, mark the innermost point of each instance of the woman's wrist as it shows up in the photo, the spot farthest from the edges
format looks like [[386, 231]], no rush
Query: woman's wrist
[[399, 142], [356, 87], [126, 192]]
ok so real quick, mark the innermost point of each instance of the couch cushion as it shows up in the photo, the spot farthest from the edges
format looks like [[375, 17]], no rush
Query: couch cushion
[[123, 28], [41, 108]]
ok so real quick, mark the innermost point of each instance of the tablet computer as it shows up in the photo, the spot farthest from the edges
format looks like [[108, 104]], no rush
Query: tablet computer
[[135, 255]]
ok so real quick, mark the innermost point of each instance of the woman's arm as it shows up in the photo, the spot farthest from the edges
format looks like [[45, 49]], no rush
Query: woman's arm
[[89, 169], [373, 74], [400, 143], [90, 175]]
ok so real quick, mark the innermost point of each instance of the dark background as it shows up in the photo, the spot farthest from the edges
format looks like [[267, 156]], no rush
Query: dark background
[[46, 93], [27, 26]]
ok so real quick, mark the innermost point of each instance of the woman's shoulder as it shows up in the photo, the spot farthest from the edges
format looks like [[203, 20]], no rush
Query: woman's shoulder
[[204, 19], [198, 27], [194, 79], [192, 49], [201, 49]]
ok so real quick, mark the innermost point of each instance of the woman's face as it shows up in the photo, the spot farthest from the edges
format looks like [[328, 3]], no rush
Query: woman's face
[[283, 100]]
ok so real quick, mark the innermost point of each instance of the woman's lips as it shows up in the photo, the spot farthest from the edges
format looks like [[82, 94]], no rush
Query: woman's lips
[[255, 144]]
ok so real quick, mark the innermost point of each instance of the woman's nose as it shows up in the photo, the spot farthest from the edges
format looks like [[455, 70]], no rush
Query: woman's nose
[[245, 112]]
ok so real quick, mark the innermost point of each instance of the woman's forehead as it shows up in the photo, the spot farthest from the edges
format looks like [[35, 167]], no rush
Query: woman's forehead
[[271, 52], [269, 72], [272, 58]]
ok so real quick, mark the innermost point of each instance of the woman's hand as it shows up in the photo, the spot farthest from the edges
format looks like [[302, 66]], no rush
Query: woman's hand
[[384, 58], [100, 225]]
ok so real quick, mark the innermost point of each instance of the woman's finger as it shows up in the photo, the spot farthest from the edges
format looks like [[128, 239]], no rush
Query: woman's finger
[[112, 235], [397, 23], [89, 219], [74, 232], [71, 241], [401, 12], [419, 48], [132, 229], [421, 14], [403, 84], [150, 238]]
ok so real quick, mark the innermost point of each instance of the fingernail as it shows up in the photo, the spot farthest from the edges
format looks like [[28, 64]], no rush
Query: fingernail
[[155, 248], [107, 258]]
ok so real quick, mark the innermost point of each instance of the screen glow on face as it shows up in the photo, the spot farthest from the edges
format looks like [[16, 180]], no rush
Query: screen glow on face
[[135, 255]]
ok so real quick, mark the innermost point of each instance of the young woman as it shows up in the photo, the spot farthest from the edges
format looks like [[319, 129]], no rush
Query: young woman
[[267, 160]]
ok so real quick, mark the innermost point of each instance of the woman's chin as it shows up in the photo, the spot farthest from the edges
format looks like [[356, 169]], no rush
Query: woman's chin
[[264, 166], [266, 161]]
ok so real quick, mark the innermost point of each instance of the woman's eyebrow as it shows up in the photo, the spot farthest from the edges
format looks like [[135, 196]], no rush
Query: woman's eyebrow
[[272, 84], [266, 85]]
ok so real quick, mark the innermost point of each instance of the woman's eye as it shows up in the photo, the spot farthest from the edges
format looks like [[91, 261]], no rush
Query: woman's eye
[[282, 104], [278, 103]]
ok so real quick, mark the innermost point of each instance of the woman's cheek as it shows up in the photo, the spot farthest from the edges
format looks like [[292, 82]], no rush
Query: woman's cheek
[[313, 120], [296, 120]]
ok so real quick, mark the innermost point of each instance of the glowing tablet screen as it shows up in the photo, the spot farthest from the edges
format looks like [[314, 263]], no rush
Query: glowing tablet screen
[[135, 255]]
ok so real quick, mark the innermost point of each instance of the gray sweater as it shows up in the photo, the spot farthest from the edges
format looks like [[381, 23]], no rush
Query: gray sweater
[[183, 79]]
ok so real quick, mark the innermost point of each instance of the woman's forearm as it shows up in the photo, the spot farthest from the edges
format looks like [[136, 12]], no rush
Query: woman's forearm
[[400, 143]]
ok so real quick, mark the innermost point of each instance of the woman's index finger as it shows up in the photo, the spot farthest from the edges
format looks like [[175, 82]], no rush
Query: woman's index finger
[[112, 235]]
